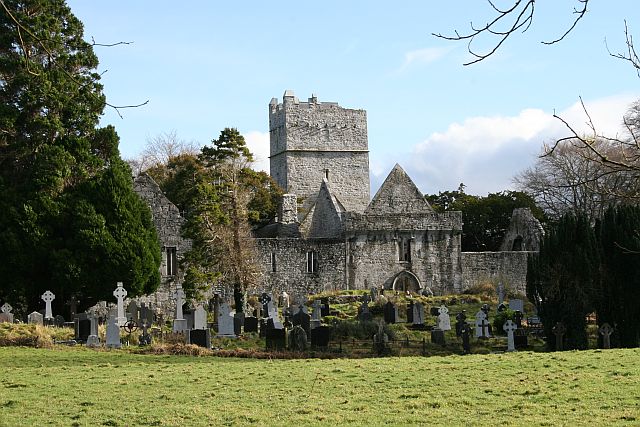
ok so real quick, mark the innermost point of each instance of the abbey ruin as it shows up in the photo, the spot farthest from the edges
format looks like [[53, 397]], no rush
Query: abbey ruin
[[331, 235]]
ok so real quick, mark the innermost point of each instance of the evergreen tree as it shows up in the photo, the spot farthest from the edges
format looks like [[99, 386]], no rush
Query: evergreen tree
[[562, 279], [618, 301], [53, 162]]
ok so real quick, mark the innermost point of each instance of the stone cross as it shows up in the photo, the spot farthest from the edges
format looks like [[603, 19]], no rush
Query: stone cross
[[510, 327], [93, 340], [559, 331], [317, 310], [47, 297], [264, 300], [606, 330], [120, 293], [179, 296], [481, 323], [6, 308], [500, 293], [444, 321]]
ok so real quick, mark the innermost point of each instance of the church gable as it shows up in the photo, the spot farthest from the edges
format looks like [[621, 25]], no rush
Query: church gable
[[398, 194], [326, 221]]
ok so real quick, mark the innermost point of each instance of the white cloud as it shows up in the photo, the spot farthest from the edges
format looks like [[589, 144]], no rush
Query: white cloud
[[485, 153], [423, 56], [258, 144]]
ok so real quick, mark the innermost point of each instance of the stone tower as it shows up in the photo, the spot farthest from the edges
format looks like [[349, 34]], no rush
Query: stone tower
[[312, 141]]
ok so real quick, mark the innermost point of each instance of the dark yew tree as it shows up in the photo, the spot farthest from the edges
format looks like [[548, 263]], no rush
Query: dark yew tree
[[562, 279], [618, 299], [70, 221]]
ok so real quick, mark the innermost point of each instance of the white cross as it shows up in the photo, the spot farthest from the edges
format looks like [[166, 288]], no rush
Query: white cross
[[179, 296], [120, 293], [47, 297], [6, 308], [509, 327]]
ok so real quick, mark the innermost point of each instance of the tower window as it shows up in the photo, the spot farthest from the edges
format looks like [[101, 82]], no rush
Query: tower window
[[326, 174], [273, 262], [404, 250], [312, 262], [172, 261]]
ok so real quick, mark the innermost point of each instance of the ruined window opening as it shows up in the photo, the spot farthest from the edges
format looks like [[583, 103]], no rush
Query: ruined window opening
[[517, 244], [404, 250], [326, 174], [312, 262], [273, 262], [172, 261]]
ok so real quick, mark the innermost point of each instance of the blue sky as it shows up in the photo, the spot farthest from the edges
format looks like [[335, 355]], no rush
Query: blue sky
[[207, 65]]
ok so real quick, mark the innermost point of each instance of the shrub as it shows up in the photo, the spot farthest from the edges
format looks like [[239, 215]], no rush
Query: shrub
[[12, 334], [359, 330], [499, 320]]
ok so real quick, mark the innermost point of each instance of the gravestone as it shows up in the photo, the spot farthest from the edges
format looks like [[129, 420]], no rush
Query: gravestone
[[35, 318], [58, 321], [225, 321], [275, 339], [509, 327], [461, 320], [316, 314], [465, 333], [264, 300], [500, 291], [374, 293], [364, 314], [132, 311], [48, 297], [482, 325], [302, 319], [381, 341], [6, 316], [517, 318], [325, 310], [200, 337], [390, 313], [284, 300], [444, 321], [418, 314], [179, 323], [606, 330], [250, 324], [559, 330], [410, 312], [146, 315], [113, 332], [82, 327], [120, 293], [238, 322], [320, 337], [516, 305], [298, 339], [93, 340], [437, 336], [200, 318], [188, 316]]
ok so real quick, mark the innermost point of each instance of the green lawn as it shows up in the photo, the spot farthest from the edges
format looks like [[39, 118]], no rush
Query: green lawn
[[78, 386]]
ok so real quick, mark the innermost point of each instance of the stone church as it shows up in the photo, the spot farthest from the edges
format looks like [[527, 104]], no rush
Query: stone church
[[330, 235]]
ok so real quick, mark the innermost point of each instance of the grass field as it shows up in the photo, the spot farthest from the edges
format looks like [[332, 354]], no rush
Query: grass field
[[78, 386]]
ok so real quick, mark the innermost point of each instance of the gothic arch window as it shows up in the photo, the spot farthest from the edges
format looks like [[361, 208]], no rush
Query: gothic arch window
[[406, 281]]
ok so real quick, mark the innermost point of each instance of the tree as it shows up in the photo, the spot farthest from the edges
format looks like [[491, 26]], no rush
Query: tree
[[618, 301], [222, 246], [158, 152], [570, 178], [485, 219], [562, 279], [53, 158]]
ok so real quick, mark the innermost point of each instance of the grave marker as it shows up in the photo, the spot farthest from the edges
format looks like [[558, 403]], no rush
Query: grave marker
[[558, 330], [225, 321], [179, 323], [606, 330], [47, 297], [200, 318], [113, 332], [509, 327], [35, 318], [92, 339], [6, 316], [120, 293], [444, 321]]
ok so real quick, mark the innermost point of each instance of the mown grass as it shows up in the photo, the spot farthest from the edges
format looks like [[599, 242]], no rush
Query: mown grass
[[79, 386]]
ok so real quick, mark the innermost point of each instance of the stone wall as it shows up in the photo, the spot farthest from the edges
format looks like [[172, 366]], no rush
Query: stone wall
[[311, 141], [508, 267], [291, 274]]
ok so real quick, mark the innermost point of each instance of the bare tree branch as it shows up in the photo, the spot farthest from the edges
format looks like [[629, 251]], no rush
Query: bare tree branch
[[631, 56], [517, 17]]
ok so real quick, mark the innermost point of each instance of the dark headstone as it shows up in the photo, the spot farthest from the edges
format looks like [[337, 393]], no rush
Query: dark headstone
[[465, 333], [238, 322], [263, 328], [520, 339], [298, 339], [82, 327], [250, 324], [264, 300], [364, 314], [390, 313], [410, 312], [558, 330], [303, 319], [517, 318], [200, 337], [320, 337], [58, 321], [461, 320], [437, 336], [325, 309], [434, 311], [501, 307], [276, 339]]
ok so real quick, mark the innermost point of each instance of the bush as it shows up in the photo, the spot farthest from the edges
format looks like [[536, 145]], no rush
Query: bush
[[359, 330], [12, 334], [499, 320]]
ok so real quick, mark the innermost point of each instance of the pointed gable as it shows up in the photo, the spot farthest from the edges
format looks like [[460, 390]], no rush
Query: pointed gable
[[398, 195], [327, 211]]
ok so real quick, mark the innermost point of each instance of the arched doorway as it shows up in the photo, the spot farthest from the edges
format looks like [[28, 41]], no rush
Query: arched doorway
[[406, 281]]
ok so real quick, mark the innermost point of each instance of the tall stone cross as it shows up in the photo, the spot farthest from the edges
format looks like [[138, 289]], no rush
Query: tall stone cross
[[559, 331], [510, 327], [481, 321], [120, 293], [47, 297], [179, 296], [606, 330]]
